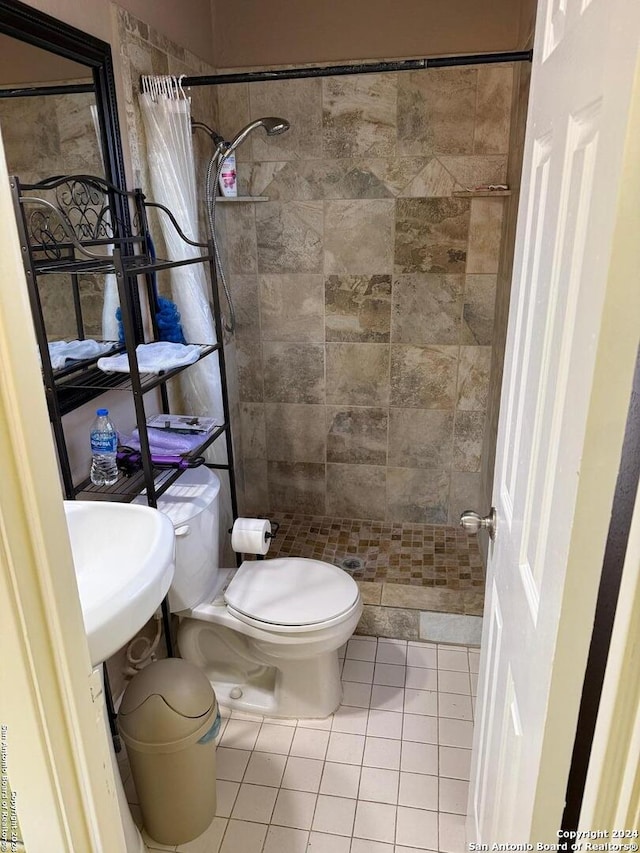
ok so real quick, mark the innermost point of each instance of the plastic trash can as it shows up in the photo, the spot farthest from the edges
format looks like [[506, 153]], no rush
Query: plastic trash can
[[168, 719]]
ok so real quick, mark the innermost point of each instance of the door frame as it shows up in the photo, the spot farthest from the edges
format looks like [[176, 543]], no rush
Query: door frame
[[615, 346], [57, 755], [617, 349], [598, 785]]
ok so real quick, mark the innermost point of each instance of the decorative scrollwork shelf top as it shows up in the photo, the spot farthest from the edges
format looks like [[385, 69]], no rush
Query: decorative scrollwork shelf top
[[72, 211]]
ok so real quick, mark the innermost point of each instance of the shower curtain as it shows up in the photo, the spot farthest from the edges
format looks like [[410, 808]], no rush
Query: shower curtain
[[166, 114], [110, 299]]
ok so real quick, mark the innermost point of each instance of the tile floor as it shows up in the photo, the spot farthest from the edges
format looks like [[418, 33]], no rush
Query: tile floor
[[427, 555], [387, 773]]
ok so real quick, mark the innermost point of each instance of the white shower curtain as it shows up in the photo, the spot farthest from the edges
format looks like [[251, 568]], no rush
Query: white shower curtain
[[166, 113], [110, 300]]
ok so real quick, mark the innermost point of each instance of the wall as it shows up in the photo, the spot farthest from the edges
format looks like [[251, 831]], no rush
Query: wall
[[364, 289], [187, 24], [255, 33], [190, 22], [22, 63], [527, 25]]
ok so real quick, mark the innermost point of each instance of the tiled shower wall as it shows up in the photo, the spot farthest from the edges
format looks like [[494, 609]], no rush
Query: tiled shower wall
[[365, 289]]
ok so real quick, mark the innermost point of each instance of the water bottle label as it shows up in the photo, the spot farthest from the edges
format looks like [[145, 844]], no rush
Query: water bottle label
[[104, 442]]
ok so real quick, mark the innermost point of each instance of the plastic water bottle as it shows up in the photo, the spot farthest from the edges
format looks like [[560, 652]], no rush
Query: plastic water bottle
[[104, 446]]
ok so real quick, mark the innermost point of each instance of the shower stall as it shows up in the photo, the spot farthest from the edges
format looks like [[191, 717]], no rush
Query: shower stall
[[369, 261]]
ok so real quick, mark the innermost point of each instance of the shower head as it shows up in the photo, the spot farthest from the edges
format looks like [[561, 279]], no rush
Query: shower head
[[271, 124], [274, 126]]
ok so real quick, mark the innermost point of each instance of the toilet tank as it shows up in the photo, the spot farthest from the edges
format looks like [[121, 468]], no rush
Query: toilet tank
[[192, 505]]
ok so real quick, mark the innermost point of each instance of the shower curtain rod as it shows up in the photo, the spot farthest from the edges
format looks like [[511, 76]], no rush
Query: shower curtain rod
[[362, 68], [37, 91]]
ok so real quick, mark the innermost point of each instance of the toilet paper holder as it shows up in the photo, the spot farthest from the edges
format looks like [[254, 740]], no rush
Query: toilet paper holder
[[268, 535], [275, 526]]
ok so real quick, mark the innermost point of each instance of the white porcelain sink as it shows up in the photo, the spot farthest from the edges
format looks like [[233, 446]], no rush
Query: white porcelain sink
[[124, 561]]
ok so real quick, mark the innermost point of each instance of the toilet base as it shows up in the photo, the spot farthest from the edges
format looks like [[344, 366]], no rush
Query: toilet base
[[306, 690], [257, 679]]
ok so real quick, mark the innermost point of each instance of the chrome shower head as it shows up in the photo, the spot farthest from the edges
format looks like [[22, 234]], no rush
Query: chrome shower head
[[275, 126], [271, 124]]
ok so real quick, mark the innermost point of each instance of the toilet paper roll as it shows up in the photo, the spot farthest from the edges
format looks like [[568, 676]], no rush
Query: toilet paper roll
[[249, 535]]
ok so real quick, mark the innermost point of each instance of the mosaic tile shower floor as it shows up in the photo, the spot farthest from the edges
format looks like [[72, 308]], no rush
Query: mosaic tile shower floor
[[423, 555], [408, 566]]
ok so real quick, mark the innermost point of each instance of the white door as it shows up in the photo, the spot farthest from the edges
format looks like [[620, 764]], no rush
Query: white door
[[584, 63]]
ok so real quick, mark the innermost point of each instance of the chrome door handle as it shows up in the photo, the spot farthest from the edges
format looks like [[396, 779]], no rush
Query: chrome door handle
[[472, 522]]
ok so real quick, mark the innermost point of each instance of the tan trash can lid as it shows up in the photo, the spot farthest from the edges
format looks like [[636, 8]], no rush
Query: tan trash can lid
[[168, 704]]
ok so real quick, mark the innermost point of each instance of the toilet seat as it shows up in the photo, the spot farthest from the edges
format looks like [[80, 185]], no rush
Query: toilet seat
[[291, 595]]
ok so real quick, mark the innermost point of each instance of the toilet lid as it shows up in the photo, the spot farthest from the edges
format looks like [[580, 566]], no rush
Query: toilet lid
[[291, 591]]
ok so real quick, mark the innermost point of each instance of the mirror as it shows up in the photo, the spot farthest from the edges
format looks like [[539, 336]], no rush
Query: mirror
[[49, 125], [40, 43], [58, 115]]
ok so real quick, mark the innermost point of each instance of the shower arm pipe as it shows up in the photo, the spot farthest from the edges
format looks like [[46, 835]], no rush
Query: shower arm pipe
[[357, 68], [217, 140]]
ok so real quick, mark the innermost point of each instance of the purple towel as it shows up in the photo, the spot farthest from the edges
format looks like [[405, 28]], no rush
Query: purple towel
[[165, 443]]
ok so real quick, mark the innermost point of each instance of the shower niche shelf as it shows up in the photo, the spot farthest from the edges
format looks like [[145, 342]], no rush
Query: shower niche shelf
[[240, 199], [481, 193], [78, 225]]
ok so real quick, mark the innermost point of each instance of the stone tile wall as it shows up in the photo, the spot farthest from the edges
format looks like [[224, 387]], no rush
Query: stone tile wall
[[365, 289], [55, 135]]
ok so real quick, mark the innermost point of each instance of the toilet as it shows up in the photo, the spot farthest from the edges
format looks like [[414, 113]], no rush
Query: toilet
[[267, 634]]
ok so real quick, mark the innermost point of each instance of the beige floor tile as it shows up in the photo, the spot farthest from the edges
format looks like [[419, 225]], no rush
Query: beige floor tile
[[302, 774], [334, 815], [241, 835], [378, 785], [418, 790], [375, 821], [210, 840], [265, 768], [340, 780], [417, 828]]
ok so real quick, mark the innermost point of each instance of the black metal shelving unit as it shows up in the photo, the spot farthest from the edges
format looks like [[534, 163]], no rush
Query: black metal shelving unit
[[69, 226]]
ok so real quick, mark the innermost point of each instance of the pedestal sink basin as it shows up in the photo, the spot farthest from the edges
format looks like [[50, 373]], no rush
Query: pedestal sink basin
[[124, 560]]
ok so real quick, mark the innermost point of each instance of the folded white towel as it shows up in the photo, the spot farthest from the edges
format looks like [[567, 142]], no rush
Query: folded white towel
[[62, 351], [153, 358]]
